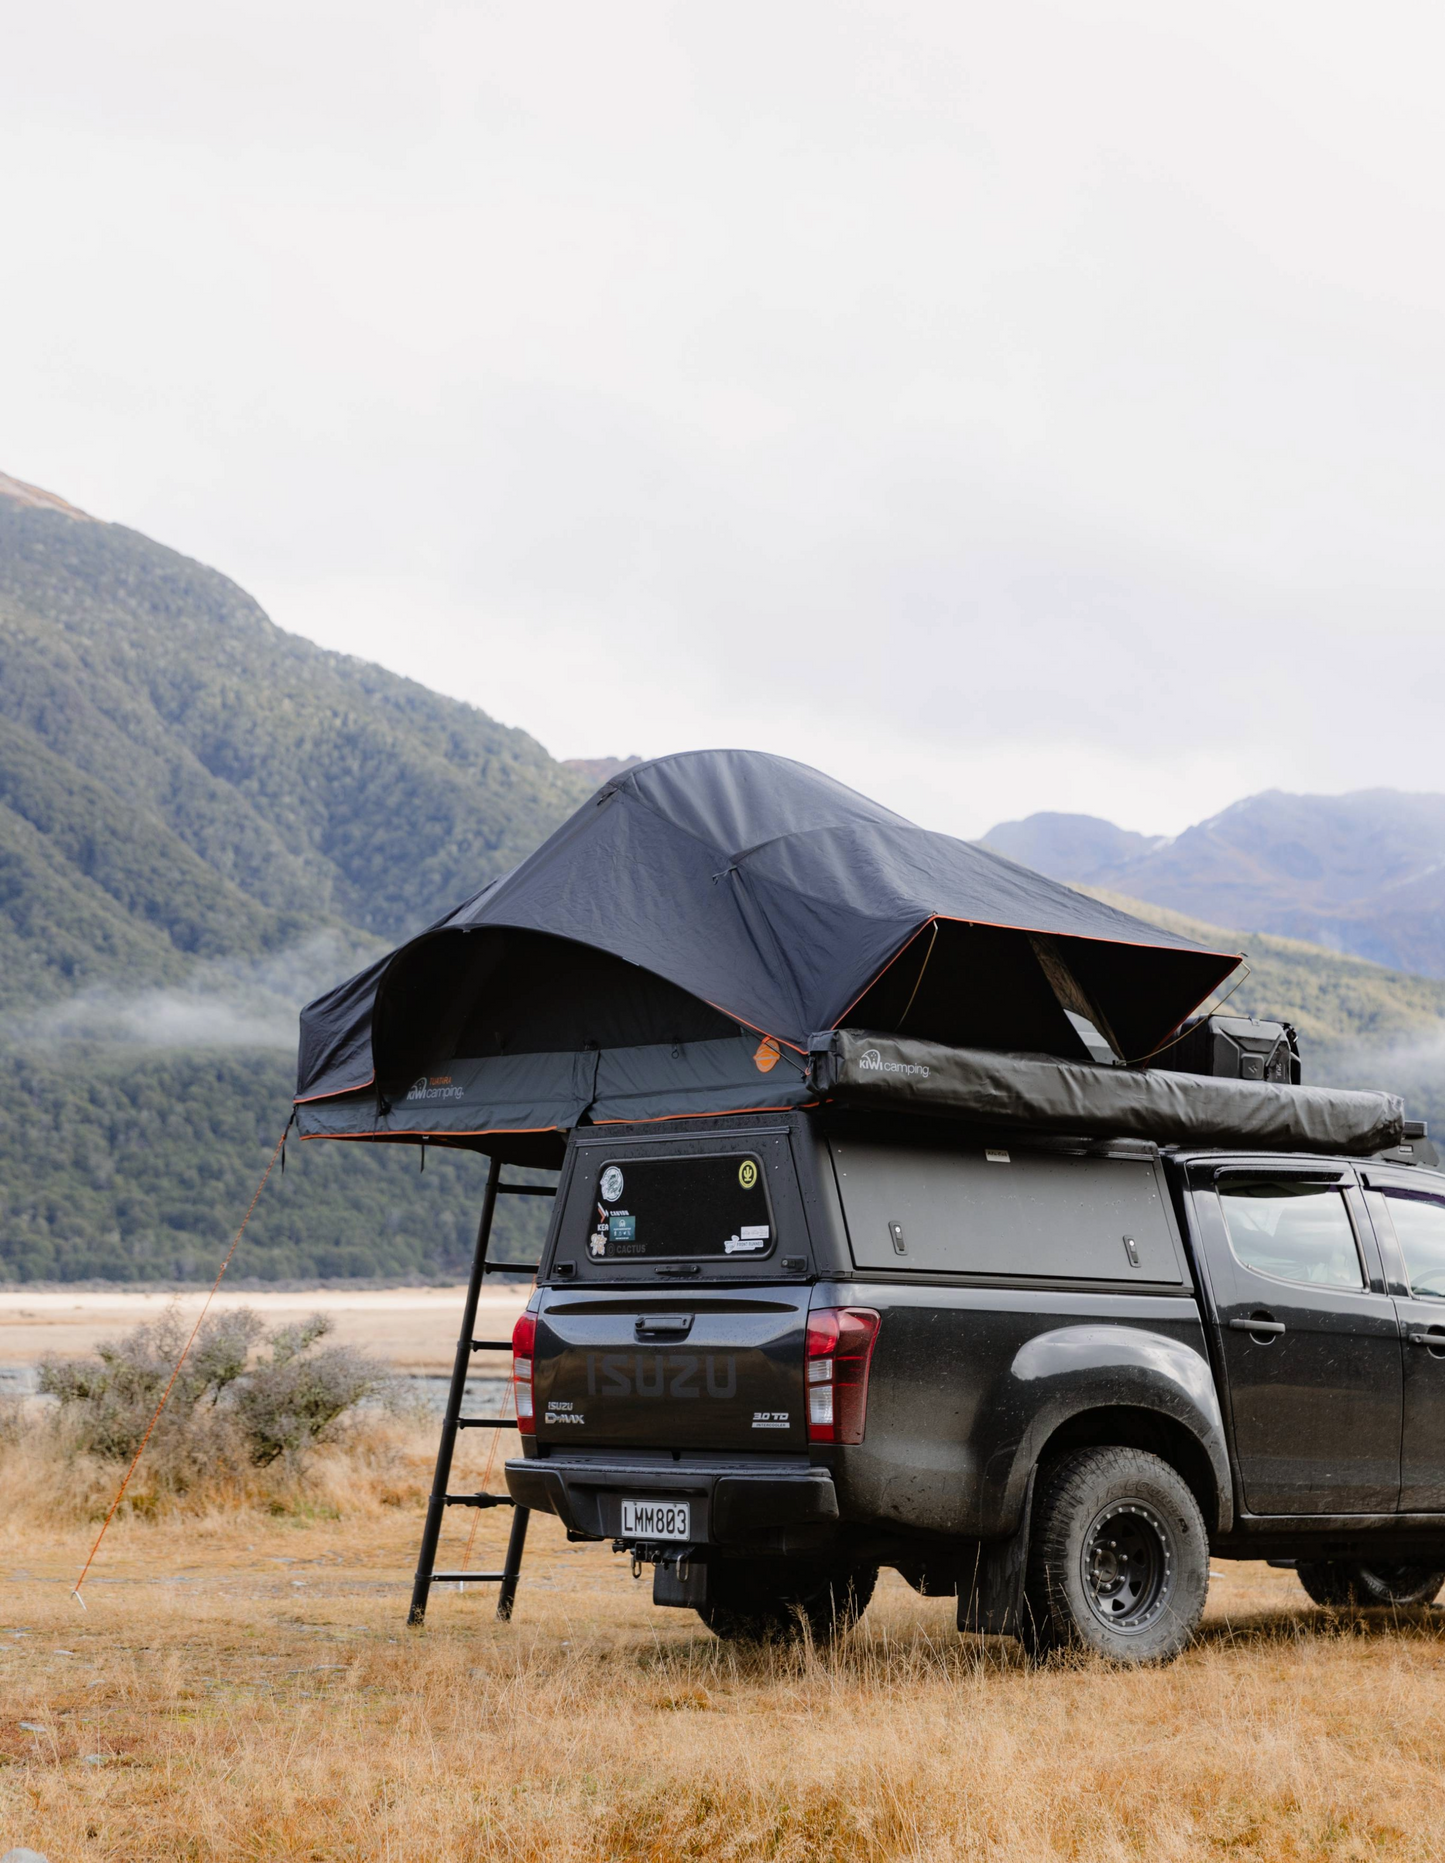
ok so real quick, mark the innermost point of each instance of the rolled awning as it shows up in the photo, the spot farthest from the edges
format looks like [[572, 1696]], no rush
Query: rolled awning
[[1079, 1099]]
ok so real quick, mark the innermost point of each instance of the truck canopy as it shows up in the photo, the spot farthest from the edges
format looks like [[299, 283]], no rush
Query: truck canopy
[[670, 950]]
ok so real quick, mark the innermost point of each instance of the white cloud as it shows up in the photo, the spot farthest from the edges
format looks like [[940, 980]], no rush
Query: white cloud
[[1005, 408]]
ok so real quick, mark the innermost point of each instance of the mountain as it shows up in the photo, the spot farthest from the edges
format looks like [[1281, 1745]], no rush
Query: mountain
[[1361, 873], [181, 779], [1071, 847], [1360, 1024], [599, 769], [203, 821]]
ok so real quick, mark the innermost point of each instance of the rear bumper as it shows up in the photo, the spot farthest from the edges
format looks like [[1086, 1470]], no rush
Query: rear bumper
[[737, 1503]]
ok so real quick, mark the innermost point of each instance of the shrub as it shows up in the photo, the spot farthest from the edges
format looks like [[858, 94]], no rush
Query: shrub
[[243, 1398], [289, 1402]]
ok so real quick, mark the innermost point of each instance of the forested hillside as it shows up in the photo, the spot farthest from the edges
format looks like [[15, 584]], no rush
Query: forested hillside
[[203, 820], [1360, 1025], [124, 1165], [179, 777]]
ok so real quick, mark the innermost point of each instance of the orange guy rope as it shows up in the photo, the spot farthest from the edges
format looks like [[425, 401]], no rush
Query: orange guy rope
[[165, 1395]]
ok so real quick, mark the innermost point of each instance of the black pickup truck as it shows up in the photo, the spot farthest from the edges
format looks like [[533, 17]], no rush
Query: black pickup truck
[[770, 1354]]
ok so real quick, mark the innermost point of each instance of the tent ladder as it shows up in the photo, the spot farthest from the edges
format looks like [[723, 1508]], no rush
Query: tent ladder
[[453, 1420]]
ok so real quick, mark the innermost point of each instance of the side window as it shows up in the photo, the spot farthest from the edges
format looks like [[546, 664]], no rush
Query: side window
[[1420, 1230], [1291, 1230]]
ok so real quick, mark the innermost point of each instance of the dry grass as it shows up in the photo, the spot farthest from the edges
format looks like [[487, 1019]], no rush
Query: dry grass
[[242, 1686]]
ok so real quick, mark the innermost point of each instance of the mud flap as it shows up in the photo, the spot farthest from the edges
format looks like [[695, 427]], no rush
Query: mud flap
[[681, 1582], [991, 1601]]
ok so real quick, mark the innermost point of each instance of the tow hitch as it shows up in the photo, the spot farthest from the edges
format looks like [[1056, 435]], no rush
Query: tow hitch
[[679, 1575]]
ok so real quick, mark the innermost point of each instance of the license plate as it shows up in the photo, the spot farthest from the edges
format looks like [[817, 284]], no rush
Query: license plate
[[657, 1520]]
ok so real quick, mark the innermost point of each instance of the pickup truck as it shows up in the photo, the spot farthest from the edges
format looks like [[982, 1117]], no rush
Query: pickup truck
[[771, 1354]]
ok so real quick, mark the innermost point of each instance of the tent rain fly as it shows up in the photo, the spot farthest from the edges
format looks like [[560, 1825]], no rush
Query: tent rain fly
[[671, 950]]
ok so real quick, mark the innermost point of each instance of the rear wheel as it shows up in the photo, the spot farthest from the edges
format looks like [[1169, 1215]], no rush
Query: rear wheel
[[1343, 1582], [1118, 1558], [778, 1600]]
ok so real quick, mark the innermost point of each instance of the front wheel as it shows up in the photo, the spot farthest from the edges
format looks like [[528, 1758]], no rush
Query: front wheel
[[1342, 1582], [1118, 1558], [778, 1600]]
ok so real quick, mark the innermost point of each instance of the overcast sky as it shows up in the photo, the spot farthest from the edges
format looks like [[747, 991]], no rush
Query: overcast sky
[[1003, 407]]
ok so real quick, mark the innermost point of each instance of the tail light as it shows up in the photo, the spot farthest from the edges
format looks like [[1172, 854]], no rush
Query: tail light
[[840, 1349], [524, 1340]]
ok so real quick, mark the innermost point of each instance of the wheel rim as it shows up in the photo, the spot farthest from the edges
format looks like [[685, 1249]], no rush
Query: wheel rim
[[1127, 1566], [1395, 1582]]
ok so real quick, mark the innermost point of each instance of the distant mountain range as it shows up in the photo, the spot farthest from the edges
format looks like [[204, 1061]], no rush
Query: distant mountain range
[[1362, 873]]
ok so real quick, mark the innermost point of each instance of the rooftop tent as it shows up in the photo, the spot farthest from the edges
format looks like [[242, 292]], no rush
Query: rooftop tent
[[673, 946]]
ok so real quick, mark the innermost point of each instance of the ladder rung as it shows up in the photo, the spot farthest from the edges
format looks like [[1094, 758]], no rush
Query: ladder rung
[[491, 1345], [486, 1423], [478, 1500], [529, 1190], [467, 1578]]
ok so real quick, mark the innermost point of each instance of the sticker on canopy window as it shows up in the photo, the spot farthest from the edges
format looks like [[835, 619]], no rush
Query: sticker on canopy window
[[697, 1205]]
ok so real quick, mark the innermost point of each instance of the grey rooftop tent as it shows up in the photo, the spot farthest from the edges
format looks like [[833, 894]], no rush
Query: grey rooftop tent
[[674, 947]]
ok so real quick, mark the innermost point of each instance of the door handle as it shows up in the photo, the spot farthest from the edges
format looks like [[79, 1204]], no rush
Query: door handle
[[1273, 1327], [663, 1326], [1434, 1340]]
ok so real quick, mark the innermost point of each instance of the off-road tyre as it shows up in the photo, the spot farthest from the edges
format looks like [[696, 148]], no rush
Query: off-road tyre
[[784, 1600], [1118, 1558], [1345, 1583]]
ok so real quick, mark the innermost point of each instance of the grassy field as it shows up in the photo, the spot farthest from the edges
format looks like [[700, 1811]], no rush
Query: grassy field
[[242, 1686]]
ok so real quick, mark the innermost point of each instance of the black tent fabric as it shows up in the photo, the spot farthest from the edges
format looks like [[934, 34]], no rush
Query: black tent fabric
[[672, 947]]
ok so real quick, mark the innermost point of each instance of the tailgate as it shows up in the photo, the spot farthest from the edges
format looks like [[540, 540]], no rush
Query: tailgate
[[681, 1369]]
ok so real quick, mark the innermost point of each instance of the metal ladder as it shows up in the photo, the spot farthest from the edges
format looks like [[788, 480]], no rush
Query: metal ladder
[[453, 1420]]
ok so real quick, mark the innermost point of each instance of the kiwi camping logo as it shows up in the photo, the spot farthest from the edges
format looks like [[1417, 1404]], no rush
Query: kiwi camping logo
[[871, 1062], [433, 1087]]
